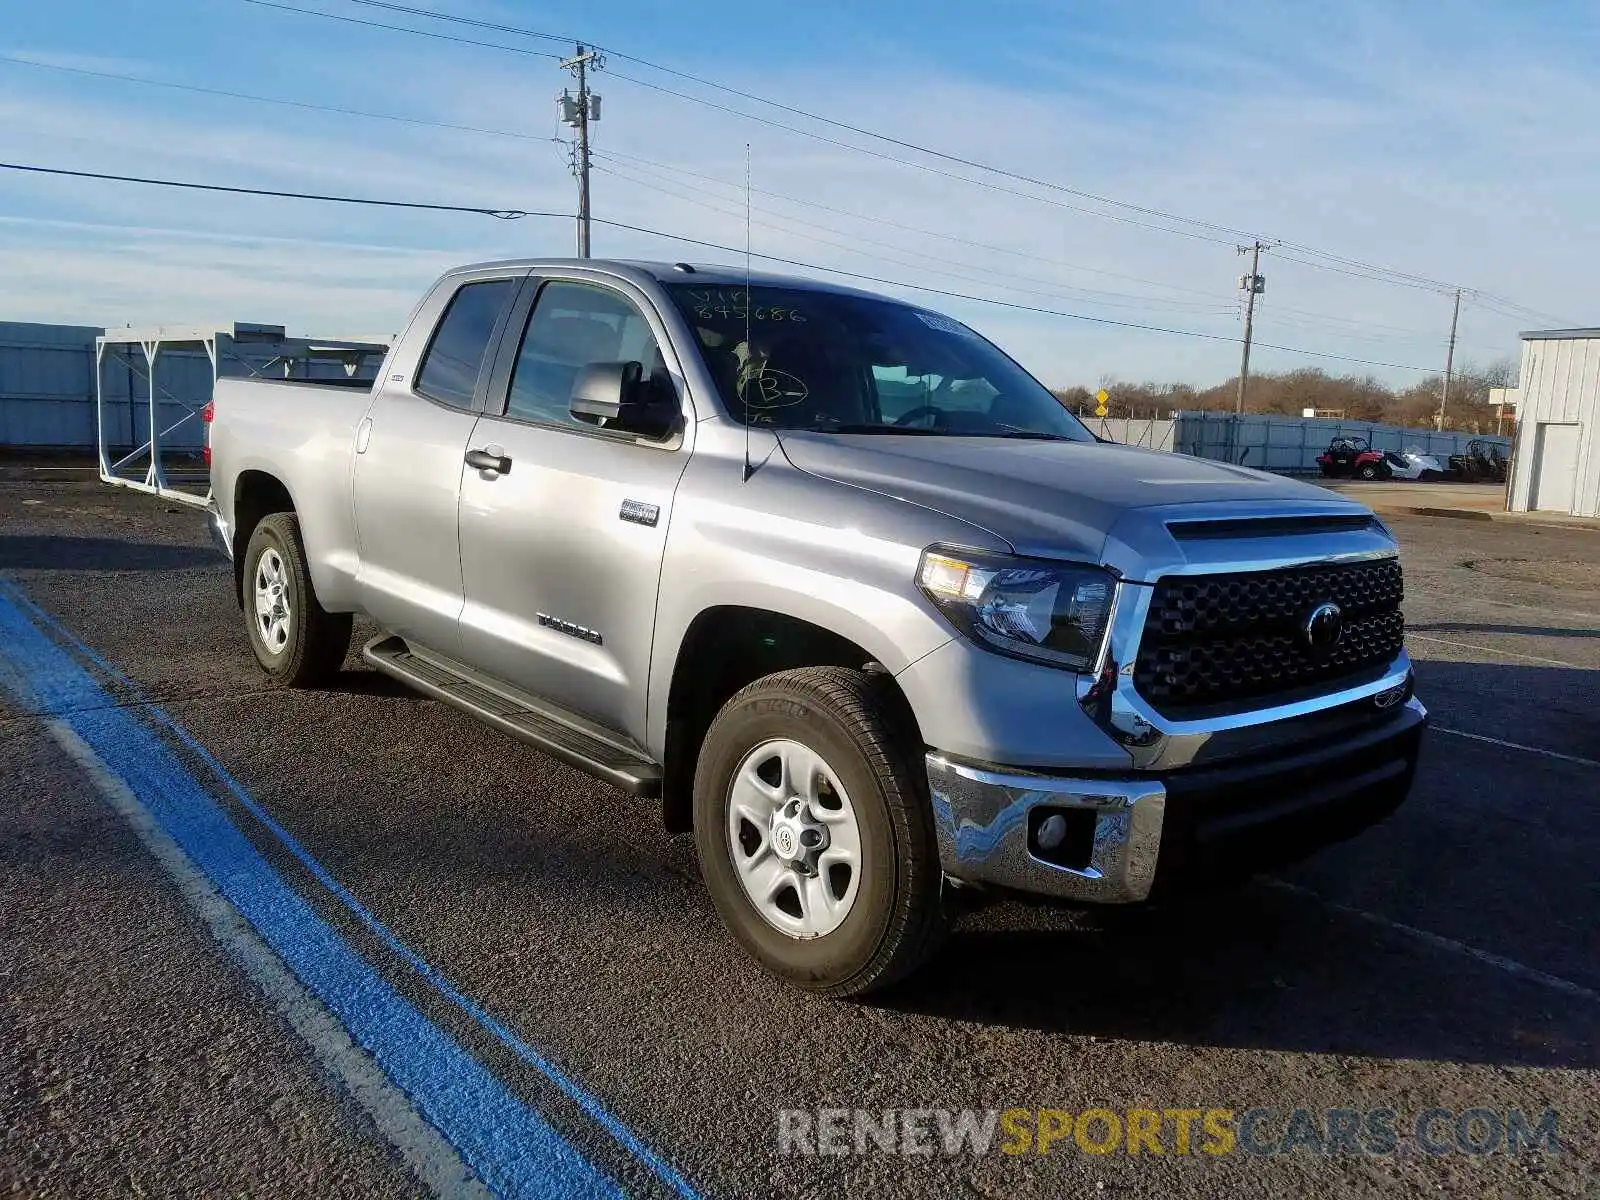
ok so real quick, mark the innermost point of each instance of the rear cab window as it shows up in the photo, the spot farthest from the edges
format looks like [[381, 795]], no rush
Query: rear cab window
[[455, 357]]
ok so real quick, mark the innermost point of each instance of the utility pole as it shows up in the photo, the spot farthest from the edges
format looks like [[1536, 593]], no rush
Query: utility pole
[[1449, 363], [1252, 285], [578, 111]]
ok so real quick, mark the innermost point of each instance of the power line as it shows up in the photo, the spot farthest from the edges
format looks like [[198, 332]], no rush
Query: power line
[[326, 108], [941, 264], [1049, 312], [1378, 272], [906, 162], [506, 133], [503, 214], [516, 214], [888, 139], [923, 232], [1335, 323], [443, 37]]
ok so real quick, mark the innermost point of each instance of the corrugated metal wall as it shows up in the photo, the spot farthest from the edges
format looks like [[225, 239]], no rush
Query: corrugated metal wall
[[1291, 444], [47, 384], [1560, 385]]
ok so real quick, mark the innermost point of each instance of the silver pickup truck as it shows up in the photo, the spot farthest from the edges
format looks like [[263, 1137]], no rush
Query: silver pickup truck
[[840, 583]]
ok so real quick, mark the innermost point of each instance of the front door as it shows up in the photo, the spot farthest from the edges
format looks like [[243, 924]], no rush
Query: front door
[[409, 463], [561, 552]]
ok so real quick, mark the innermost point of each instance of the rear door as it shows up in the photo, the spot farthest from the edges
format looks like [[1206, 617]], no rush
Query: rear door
[[409, 459], [561, 553]]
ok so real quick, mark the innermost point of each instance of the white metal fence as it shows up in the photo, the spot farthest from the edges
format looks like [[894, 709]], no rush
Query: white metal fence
[[1132, 431]]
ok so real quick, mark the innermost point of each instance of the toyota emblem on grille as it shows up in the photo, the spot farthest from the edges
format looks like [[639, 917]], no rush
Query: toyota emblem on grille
[[1324, 627]]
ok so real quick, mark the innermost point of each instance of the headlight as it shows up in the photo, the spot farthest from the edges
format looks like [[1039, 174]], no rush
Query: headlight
[[1054, 613]]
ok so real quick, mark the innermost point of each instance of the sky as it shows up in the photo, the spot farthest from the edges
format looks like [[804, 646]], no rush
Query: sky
[[1452, 142]]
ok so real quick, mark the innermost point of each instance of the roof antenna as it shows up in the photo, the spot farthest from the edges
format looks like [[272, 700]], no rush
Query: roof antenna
[[745, 382]]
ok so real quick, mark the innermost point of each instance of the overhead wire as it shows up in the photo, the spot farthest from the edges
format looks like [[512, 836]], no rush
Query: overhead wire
[[1333, 262], [444, 37], [515, 214], [939, 264], [301, 104], [611, 74], [1382, 273], [1050, 312], [503, 214], [610, 154], [1031, 255]]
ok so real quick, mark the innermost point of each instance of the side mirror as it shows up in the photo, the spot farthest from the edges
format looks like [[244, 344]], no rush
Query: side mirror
[[615, 395]]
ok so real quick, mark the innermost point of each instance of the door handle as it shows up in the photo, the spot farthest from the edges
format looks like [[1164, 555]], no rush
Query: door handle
[[484, 460]]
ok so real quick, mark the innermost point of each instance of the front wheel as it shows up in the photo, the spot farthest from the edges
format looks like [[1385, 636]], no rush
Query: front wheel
[[297, 642], [814, 832], [1368, 471]]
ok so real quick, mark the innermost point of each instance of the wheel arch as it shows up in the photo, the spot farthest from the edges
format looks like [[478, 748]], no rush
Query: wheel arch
[[728, 646], [256, 494]]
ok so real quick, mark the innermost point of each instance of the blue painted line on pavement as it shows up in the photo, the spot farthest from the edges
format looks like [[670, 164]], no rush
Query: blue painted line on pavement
[[590, 1105], [511, 1147]]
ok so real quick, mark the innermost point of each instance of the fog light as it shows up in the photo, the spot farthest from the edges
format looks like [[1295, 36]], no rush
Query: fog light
[[1063, 837], [1053, 832]]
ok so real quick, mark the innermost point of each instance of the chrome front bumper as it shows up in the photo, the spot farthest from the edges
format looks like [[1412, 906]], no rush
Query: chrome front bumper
[[1260, 810], [982, 819]]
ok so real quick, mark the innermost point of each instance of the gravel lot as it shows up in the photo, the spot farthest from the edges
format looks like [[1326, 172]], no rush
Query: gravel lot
[[1450, 957]]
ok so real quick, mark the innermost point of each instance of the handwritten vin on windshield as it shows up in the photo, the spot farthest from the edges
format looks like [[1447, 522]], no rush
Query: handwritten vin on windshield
[[729, 304]]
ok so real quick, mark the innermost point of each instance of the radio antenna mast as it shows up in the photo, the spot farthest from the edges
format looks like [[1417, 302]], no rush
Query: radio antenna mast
[[747, 350]]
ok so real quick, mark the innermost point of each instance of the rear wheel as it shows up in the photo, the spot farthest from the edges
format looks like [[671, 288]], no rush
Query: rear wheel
[[814, 832], [1367, 471], [297, 642]]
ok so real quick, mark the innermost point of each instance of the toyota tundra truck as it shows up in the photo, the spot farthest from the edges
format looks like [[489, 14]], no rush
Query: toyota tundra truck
[[839, 583]]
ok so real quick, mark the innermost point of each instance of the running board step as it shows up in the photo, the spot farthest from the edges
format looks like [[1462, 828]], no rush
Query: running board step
[[568, 737]]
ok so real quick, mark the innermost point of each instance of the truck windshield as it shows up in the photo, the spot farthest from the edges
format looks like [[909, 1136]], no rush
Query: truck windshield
[[839, 363]]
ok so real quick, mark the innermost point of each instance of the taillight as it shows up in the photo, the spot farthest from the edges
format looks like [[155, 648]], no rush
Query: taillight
[[209, 412]]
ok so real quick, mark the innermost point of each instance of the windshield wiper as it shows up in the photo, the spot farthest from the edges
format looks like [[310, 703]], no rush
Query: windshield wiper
[[1033, 435], [875, 429]]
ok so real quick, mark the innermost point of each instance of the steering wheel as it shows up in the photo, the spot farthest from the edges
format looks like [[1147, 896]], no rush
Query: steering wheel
[[923, 410]]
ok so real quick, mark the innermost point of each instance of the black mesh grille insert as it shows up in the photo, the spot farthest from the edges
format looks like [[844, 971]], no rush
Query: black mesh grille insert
[[1215, 639]]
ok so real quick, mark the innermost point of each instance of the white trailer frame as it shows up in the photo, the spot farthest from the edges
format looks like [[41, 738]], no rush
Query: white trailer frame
[[269, 350]]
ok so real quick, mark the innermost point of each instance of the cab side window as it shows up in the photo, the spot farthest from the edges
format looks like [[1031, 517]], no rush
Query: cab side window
[[573, 325], [449, 371]]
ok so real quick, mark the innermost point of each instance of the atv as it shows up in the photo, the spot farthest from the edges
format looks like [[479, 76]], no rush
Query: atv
[[1347, 456], [1481, 463]]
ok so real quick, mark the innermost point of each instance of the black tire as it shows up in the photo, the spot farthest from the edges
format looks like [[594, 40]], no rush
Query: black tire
[[1367, 471], [897, 920], [315, 640]]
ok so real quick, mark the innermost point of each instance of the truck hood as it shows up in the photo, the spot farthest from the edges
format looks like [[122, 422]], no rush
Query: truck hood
[[1057, 499]]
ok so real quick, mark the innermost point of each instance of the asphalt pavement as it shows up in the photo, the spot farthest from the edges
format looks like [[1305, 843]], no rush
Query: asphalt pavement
[[545, 930]]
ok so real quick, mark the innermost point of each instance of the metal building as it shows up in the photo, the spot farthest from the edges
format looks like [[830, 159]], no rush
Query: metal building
[[1555, 466], [46, 385]]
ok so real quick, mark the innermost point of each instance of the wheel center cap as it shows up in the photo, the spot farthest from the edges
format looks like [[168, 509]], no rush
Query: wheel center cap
[[785, 841]]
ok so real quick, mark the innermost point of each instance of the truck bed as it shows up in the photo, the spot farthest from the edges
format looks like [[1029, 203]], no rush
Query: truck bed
[[303, 434]]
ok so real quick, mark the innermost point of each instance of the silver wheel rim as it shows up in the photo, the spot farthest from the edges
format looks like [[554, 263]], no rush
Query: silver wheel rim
[[274, 620], [794, 839]]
